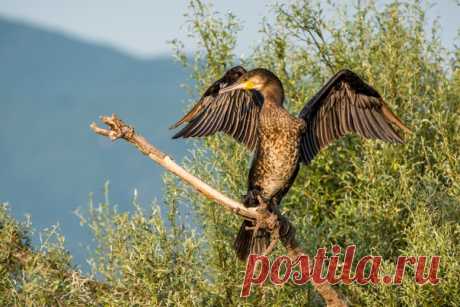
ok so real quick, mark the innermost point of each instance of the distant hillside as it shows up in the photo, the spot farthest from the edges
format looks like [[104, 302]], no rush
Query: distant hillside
[[51, 88]]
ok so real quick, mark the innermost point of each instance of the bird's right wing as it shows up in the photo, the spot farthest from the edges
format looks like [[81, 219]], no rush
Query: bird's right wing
[[234, 113]]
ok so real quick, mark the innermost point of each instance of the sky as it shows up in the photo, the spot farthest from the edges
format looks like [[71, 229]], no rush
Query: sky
[[143, 27], [139, 27]]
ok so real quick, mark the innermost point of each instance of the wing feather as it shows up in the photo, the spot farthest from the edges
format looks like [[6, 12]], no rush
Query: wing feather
[[346, 104], [234, 113]]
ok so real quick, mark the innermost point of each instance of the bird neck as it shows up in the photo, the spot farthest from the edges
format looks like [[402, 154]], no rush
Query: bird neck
[[273, 93]]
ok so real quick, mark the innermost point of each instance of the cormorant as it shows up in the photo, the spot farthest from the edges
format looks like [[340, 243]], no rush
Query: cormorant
[[248, 105]]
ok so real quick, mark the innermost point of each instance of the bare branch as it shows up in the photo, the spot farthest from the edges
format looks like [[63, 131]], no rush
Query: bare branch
[[274, 222]]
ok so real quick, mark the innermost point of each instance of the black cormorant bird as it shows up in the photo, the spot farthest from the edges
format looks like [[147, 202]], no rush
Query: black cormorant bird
[[248, 105]]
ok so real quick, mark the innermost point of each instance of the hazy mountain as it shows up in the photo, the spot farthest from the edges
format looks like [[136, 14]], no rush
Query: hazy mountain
[[51, 87]]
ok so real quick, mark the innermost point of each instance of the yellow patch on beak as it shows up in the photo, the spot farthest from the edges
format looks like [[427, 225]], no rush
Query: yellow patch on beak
[[249, 85]]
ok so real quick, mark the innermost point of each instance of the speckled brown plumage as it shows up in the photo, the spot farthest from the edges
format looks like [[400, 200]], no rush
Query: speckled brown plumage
[[249, 107], [278, 152]]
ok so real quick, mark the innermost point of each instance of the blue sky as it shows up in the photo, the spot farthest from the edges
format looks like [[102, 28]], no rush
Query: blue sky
[[143, 27]]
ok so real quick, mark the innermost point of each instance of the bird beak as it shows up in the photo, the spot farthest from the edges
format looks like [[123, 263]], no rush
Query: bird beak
[[248, 85]]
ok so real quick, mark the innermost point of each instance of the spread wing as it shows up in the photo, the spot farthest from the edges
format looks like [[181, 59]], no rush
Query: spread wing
[[346, 104], [234, 113]]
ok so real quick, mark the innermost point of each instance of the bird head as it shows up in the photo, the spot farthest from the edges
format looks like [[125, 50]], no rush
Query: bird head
[[255, 79]]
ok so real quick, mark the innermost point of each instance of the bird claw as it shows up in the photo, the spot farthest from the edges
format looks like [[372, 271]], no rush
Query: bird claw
[[272, 221], [263, 205], [275, 239], [251, 199], [268, 217]]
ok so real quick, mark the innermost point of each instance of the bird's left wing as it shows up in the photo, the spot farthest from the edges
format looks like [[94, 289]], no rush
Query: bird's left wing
[[346, 104], [234, 113]]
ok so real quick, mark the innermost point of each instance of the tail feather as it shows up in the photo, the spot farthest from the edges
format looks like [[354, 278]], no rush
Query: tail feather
[[247, 243]]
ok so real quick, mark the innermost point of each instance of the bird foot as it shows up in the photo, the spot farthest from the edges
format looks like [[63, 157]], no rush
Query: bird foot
[[268, 217], [263, 204], [250, 199], [275, 238], [272, 221]]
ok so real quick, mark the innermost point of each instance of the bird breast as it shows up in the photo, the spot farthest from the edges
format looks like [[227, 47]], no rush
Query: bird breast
[[278, 153]]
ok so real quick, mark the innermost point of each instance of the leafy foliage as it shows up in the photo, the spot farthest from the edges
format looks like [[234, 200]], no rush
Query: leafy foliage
[[388, 200]]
